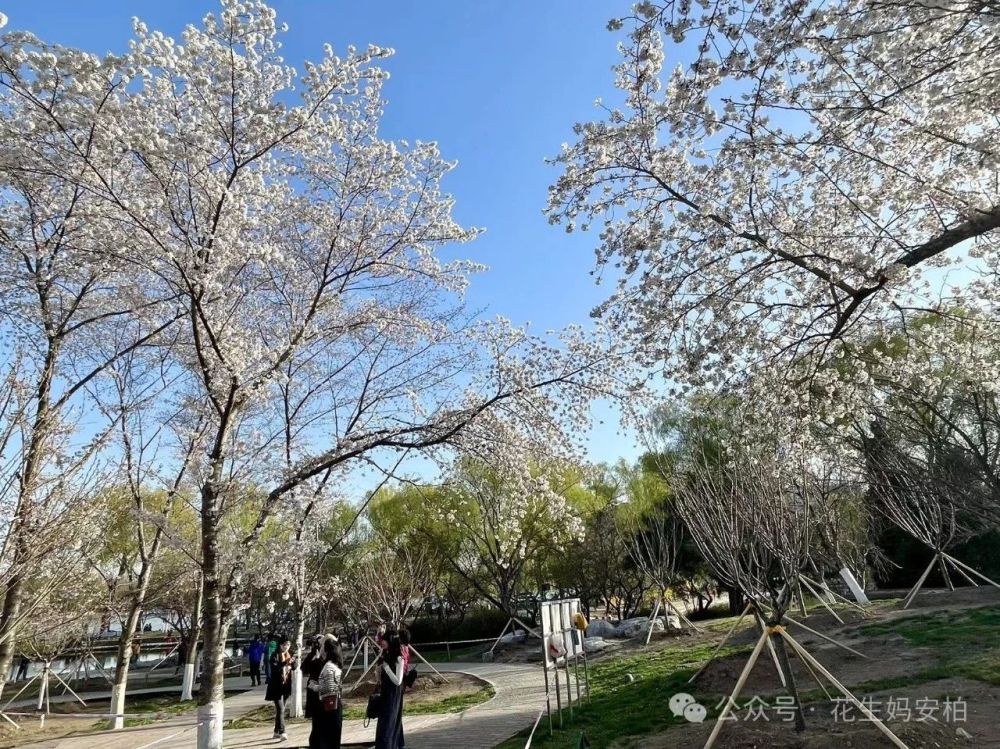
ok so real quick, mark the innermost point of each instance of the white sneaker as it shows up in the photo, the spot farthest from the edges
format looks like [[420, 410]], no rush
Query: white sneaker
[[283, 737], [276, 735]]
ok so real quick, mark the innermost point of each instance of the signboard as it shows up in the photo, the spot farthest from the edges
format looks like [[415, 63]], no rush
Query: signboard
[[560, 638]]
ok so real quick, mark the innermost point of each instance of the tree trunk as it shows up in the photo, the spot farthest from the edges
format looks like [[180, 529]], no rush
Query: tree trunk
[[11, 611], [737, 601], [211, 692], [124, 662], [191, 656], [295, 706]]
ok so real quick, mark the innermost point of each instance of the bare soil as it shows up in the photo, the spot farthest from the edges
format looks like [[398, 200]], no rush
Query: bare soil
[[889, 656]]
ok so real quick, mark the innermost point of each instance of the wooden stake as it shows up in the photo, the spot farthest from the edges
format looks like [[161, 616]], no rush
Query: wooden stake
[[822, 602], [500, 636], [920, 583], [960, 571], [944, 573], [804, 654], [680, 615], [774, 655], [751, 661], [417, 653], [812, 631], [836, 595], [718, 647], [652, 621], [802, 599], [980, 575]]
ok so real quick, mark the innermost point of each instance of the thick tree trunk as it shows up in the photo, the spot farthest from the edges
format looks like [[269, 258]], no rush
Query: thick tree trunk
[[11, 612], [737, 601], [120, 684], [212, 689], [19, 531]]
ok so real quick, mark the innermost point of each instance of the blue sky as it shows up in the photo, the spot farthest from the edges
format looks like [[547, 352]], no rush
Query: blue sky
[[497, 84]]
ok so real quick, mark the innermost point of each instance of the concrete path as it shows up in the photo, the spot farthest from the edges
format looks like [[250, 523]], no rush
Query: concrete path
[[520, 694]]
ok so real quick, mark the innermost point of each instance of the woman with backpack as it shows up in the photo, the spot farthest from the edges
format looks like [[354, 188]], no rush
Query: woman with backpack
[[389, 730], [279, 688], [328, 714]]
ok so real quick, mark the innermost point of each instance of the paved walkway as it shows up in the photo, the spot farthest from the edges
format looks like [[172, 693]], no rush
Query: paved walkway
[[520, 693]]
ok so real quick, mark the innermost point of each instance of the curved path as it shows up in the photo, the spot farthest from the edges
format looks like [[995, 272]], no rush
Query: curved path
[[520, 694]]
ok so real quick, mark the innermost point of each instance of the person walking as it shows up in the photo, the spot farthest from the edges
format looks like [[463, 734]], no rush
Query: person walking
[[255, 654], [406, 653], [279, 686], [22, 668], [328, 716], [388, 731]]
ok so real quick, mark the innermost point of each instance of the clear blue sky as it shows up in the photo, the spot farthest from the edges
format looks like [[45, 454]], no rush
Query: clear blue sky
[[497, 84]]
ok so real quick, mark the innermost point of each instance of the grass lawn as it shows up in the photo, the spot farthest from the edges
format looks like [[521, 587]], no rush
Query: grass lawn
[[453, 704], [164, 706], [619, 707], [963, 644], [355, 710]]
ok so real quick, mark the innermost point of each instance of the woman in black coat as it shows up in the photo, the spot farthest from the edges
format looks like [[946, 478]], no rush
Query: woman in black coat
[[311, 666], [388, 731], [279, 688]]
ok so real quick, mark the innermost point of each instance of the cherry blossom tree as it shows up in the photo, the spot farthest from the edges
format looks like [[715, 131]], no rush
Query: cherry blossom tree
[[62, 290], [132, 399], [263, 204], [772, 179]]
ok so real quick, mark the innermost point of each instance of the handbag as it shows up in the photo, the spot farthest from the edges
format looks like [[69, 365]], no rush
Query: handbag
[[371, 711], [330, 703], [374, 703]]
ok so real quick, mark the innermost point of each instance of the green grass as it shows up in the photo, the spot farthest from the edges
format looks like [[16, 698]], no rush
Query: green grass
[[165, 706], [619, 708], [454, 704], [963, 644], [354, 711]]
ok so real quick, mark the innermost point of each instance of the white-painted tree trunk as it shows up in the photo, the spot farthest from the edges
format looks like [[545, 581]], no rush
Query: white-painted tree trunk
[[295, 705], [210, 730], [295, 701], [856, 590], [117, 706], [187, 686]]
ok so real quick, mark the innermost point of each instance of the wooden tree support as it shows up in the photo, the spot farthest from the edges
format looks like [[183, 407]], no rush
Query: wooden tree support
[[943, 559], [836, 595], [821, 599], [667, 604], [805, 656], [512, 620], [813, 665], [715, 653]]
